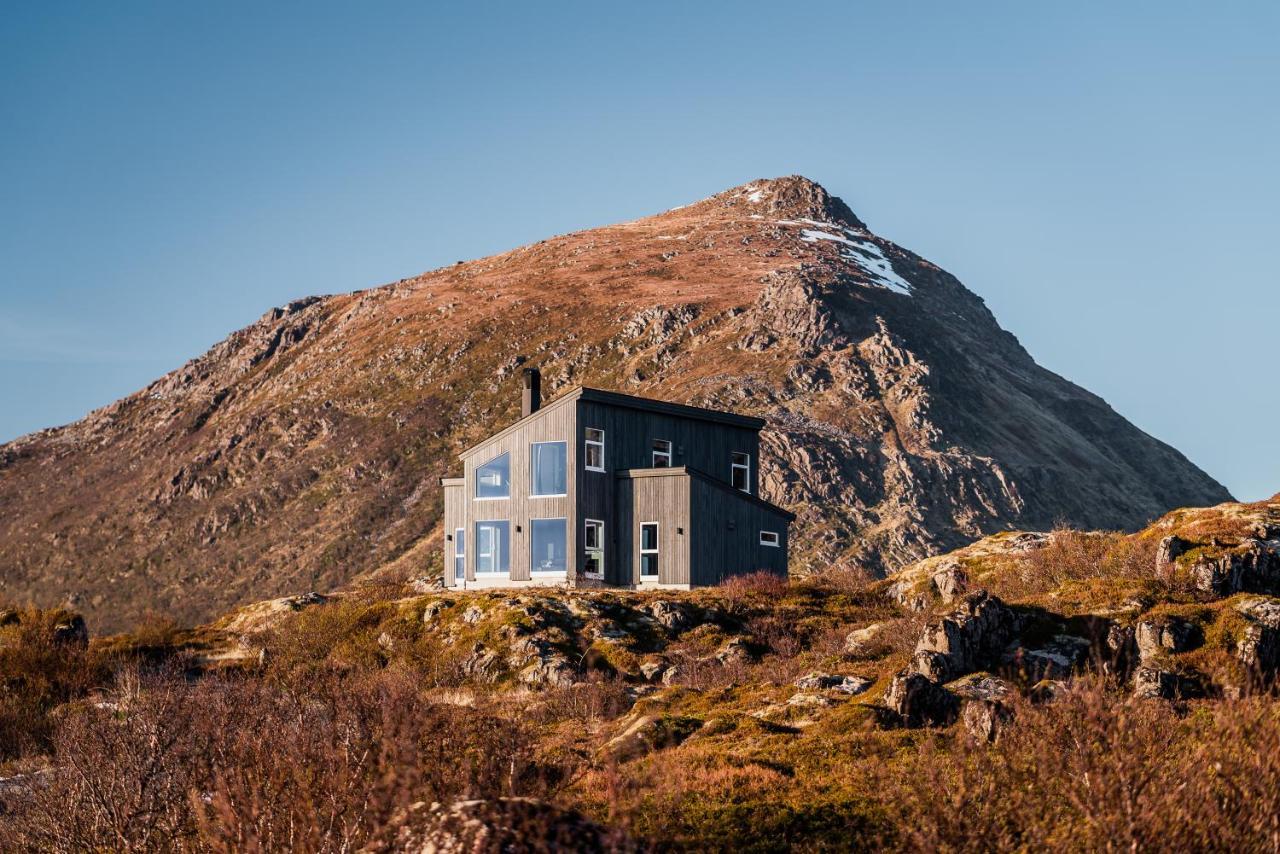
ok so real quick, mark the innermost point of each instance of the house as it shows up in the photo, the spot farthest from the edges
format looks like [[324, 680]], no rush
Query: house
[[602, 488]]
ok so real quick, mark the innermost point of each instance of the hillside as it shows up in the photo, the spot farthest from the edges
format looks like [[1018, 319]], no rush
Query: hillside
[[304, 451]]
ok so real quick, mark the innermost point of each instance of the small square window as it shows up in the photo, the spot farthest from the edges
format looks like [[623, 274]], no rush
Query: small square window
[[770, 538]]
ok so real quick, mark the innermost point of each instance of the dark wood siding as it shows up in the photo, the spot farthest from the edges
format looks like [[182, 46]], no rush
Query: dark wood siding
[[726, 534]]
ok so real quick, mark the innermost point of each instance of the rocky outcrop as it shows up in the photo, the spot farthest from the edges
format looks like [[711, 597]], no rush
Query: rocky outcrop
[[986, 705], [1259, 648], [850, 685], [917, 700], [967, 639], [1252, 566]]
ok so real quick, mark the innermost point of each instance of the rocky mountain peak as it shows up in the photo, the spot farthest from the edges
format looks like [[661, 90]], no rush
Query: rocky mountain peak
[[792, 197]]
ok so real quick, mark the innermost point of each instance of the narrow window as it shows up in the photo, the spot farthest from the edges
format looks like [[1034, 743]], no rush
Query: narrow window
[[740, 472], [593, 450], [648, 550], [547, 461], [493, 547], [459, 555], [593, 544], [661, 454], [493, 479], [547, 546], [770, 538]]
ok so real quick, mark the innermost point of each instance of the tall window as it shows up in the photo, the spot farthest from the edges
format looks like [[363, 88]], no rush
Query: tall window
[[459, 555], [593, 450], [547, 461], [493, 479], [593, 545], [740, 472], [548, 546], [648, 550], [493, 547], [661, 454]]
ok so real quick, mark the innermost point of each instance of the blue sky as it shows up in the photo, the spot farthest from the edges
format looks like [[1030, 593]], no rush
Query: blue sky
[[1104, 175]]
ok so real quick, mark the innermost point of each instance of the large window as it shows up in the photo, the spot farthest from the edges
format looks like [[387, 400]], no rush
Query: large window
[[493, 479], [459, 555], [593, 450], [661, 453], [547, 464], [740, 472], [648, 550], [493, 548], [593, 545], [548, 551]]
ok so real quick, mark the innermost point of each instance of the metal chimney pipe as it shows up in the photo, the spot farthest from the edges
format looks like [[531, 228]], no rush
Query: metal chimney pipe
[[530, 392]]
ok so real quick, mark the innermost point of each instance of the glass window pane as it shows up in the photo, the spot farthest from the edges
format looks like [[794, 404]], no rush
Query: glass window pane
[[549, 468], [648, 536], [548, 539], [649, 564], [493, 479], [493, 546]]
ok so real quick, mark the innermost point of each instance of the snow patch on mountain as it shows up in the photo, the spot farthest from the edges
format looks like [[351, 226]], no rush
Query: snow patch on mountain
[[866, 255]]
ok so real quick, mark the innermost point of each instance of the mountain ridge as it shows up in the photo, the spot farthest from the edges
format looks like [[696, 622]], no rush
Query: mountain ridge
[[303, 450]]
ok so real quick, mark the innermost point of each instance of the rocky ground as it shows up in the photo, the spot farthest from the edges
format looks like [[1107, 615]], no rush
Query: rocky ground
[[783, 710], [304, 451]]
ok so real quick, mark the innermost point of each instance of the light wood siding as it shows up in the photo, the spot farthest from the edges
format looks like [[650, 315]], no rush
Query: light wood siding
[[546, 425], [454, 518], [651, 496], [726, 534]]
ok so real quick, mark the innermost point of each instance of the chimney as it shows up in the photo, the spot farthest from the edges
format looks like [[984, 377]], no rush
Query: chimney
[[530, 392]]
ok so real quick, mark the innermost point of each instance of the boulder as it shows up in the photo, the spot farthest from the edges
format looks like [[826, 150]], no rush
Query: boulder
[[1259, 648], [735, 651], [1164, 635], [831, 682], [645, 733], [985, 704], [966, 639], [1155, 683], [859, 642], [675, 617], [1057, 659], [72, 632], [918, 701], [482, 663], [552, 671], [426, 585], [1253, 566], [474, 614], [1169, 550], [434, 608], [652, 670], [951, 582]]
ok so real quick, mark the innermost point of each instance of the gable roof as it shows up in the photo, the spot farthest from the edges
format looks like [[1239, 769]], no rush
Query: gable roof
[[617, 398]]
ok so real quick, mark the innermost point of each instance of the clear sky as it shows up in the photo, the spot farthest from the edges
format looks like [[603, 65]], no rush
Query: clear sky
[[1106, 175]]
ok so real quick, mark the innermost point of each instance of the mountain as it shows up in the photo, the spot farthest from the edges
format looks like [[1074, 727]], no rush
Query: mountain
[[304, 450]]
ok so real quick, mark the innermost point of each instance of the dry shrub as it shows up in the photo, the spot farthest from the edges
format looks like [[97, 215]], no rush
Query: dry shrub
[[250, 765], [751, 587], [1072, 556], [1097, 772]]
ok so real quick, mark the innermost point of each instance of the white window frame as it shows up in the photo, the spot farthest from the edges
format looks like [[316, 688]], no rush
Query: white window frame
[[497, 573], [459, 536], [588, 443], [586, 525], [533, 461], [656, 550], [667, 453], [777, 539], [476, 474], [549, 573], [734, 465]]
